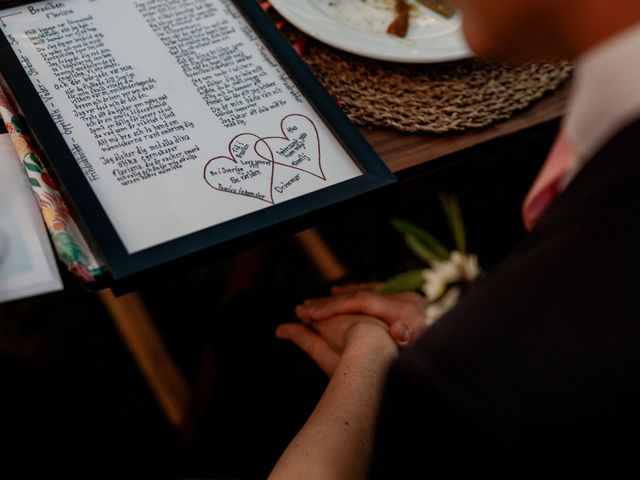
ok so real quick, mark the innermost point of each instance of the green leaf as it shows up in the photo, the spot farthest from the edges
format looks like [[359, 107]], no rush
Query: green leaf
[[34, 182], [34, 159], [67, 249], [451, 207], [421, 251], [33, 167], [420, 236], [97, 272], [17, 125], [410, 281]]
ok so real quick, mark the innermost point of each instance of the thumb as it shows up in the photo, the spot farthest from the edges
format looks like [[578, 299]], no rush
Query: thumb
[[402, 333], [311, 343]]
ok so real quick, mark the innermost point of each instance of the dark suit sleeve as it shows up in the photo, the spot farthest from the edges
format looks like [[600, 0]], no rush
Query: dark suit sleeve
[[536, 373], [421, 433]]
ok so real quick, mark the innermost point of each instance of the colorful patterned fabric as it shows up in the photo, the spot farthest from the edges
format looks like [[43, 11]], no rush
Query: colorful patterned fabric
[[70, 245]]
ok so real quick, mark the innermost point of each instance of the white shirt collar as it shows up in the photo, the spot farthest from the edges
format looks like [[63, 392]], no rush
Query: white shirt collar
[[606, 95]]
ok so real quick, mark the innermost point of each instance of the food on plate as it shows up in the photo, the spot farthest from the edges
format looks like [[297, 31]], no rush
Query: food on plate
[[393, 17], [400, 26], [446, 8]]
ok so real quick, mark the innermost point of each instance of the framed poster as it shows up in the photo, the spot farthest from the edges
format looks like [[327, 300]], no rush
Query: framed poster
[[177, 126]]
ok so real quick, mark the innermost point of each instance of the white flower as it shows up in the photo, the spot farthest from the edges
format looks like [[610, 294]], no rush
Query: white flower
[[437, 279], [458, 268], [442, 283], [436, 310]]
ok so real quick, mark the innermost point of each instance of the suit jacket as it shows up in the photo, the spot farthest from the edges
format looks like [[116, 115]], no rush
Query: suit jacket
[[536, 372]]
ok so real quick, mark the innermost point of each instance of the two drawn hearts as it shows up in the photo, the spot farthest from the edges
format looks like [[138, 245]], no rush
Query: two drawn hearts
[[249, 169]]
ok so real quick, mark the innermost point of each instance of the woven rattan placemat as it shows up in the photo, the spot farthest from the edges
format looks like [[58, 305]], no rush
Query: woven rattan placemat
[[431, 98], [437, 98]]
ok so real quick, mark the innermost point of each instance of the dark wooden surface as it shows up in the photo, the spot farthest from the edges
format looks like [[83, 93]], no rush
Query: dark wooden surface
[[405, 152]]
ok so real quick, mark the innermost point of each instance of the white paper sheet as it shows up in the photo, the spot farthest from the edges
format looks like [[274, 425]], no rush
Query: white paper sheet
[[179, 116], [27, 264]]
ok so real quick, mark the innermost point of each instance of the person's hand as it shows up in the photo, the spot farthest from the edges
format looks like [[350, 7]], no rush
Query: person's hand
[[326, 340], [404, 313], [355, 287]]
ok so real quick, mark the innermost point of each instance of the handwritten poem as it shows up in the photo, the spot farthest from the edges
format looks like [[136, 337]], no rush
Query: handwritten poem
[[176, 112]]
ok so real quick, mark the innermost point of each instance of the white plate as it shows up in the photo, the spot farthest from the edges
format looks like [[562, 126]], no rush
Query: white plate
[[359, 27]]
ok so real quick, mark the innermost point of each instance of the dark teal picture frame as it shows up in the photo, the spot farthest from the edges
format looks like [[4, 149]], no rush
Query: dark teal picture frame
[[123, 268]]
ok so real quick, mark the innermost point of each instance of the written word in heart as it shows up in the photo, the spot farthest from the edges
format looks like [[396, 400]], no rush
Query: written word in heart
[[250, 167]]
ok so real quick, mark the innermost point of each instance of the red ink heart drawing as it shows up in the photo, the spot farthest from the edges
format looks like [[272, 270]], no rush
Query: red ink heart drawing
[[244, 172], [298, 148], [250, 167]]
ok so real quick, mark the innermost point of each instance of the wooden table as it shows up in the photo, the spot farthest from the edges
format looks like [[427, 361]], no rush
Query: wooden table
[[407, 153]]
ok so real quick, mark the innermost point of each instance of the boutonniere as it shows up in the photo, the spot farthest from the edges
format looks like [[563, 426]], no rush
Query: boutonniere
[[447, 272]]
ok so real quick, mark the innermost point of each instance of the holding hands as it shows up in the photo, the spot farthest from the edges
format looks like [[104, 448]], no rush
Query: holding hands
[[353, 335], [355, 314]]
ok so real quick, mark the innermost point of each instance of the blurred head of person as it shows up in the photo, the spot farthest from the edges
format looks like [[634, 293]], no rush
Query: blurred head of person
[[522, 30]]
